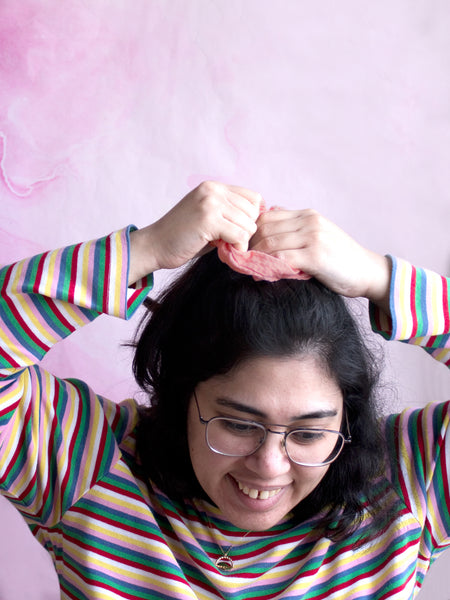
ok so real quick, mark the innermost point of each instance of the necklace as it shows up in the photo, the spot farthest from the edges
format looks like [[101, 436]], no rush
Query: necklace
[[225, 562]]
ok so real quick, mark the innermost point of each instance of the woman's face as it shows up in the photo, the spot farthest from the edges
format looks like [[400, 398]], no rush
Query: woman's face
[[256, 492]]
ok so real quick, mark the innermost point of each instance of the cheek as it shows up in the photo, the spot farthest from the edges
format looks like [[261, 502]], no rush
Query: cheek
[[310, 477], [196, 442], [202, 459]]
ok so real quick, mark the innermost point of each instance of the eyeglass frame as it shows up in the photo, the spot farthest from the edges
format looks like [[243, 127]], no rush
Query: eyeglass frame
[[285, 434]]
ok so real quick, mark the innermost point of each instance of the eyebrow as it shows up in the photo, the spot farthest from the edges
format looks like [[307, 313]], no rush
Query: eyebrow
[[238, 406]]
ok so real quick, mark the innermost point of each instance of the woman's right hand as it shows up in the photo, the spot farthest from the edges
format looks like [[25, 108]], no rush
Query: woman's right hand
[[210, 212]]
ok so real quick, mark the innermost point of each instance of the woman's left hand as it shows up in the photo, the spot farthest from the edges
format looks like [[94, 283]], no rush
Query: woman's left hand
[[310, 242]]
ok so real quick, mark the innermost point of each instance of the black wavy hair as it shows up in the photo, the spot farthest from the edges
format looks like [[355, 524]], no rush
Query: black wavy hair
[[208, 320]]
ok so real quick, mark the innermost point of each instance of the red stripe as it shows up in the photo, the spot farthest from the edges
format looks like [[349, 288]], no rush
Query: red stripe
[[91, 547], [420, 426], [113, 522], [401, 479], [399, 588], [431, 342], [125, 492], [412, 302], [9, 360], [104, 431], [445, 304], [39, 271], [102, 444], [76, 429], [45, 491], [92, 515], [59, 315], [22, 443], [73, 275], [22, 325], [107, 273], [444, 471], [369, 574], [116, 417], [90, 581], [52, 439]]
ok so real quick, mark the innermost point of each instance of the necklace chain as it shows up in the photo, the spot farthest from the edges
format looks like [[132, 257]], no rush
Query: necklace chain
[[225, 562]]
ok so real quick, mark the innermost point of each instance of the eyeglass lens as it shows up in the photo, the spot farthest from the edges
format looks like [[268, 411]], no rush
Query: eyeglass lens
[[233, 437]]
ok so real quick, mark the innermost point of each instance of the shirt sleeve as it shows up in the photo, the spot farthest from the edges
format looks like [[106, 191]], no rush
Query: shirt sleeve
[[45, 298], [55, 438], [418, 443], [419, 307]]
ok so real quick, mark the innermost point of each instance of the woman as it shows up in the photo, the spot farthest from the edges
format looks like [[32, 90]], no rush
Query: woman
[[260, 470]]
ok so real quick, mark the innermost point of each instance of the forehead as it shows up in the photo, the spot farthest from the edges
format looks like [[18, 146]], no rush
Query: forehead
[[276, 386]]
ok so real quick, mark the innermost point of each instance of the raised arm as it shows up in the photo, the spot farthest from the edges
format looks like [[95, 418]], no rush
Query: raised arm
[[44, 298], [407, 303], [210, 212], [310, 242]]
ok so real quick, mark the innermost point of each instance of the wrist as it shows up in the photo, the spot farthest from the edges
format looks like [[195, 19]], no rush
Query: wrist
[[378, 290], [143, 260]]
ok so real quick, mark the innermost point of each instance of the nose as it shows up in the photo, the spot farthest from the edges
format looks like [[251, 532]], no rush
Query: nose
[[270, 459]]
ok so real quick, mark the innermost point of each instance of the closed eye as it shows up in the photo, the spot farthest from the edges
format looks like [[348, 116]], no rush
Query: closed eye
[[306, 436], [237, 427]]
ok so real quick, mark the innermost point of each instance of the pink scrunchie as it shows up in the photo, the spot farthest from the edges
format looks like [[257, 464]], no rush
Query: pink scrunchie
[[259, 265]]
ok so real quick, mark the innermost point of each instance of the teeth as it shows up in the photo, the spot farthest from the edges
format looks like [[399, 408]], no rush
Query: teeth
[[257, 494]]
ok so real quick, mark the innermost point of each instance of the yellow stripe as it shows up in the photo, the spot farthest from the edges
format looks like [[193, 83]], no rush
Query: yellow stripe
[[151, 580], [32, 450], [405, 457], [40, 331], [404, 287], [114, 566], [17, 275], [121, 502], [71, 313], [114, 534], [15, 351], [51, 265], [442, 355], [91, 449], [83, 291], [70, 417]]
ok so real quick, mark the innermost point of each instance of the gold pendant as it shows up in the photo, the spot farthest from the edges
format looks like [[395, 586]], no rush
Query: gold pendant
[[224, 563]]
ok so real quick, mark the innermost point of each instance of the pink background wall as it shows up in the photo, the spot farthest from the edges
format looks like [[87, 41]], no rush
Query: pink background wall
[[111, 111]]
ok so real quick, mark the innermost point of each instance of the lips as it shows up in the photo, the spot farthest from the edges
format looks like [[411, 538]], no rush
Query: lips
[[256, 494]]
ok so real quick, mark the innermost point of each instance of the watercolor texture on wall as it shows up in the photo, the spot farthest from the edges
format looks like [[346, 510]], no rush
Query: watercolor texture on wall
[[111, 111]]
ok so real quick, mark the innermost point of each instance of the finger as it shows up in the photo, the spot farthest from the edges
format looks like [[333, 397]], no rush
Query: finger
[[241, 206], [280, 243], [269, 229], [242, 212], [236, 235], [274, 222], [254, 197], [298, 258]]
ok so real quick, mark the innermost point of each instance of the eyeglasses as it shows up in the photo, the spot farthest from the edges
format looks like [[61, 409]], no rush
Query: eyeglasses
[[306, 446]]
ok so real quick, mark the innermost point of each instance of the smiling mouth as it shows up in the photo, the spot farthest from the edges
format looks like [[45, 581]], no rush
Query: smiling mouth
[[256, 494]]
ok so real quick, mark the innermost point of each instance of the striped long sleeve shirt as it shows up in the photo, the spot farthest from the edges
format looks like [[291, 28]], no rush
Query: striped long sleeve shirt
[[67, 458]]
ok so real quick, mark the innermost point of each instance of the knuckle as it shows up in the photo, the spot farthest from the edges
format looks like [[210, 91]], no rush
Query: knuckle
[[210, 192], [316, 218], [263, 228], [209, 199], [269, 244], [207, 187]]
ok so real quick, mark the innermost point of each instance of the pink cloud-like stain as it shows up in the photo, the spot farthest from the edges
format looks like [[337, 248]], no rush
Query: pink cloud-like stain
[[64, 82]]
